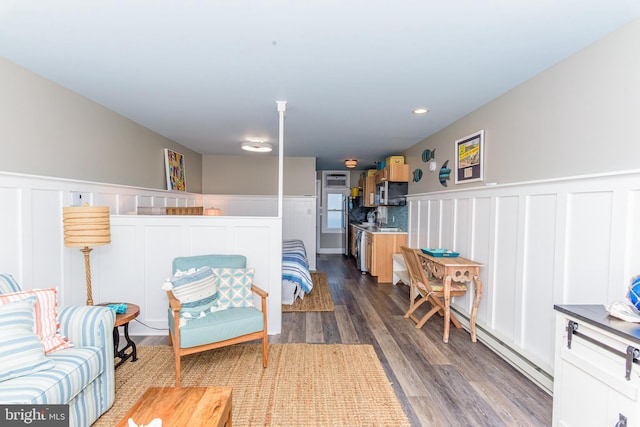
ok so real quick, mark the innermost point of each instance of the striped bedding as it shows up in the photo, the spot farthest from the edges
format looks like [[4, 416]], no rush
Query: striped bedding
[[295, 267]]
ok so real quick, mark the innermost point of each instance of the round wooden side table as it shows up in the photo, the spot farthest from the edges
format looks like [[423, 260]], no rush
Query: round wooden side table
[[123, 320]]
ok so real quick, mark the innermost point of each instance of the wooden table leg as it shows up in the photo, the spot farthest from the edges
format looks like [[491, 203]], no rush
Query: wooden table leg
[[447, 308], [476, 302]]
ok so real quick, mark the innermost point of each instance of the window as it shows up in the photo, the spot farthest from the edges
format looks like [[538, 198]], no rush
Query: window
[[334, 218]]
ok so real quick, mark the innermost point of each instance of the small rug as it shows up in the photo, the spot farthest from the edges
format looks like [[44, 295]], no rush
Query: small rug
[[319, 299], [304, 384]]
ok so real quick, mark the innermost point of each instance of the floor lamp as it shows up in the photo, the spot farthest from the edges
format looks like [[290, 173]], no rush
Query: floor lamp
[[86, 226]]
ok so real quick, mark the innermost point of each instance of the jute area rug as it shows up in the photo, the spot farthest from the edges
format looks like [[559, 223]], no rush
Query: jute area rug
[[304, 384], [319, 299]]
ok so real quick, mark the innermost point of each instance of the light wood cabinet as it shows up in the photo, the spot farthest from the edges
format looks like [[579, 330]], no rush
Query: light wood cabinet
[[397, 173], [379, 254], [393, 173], [367, 243], [369, 191]]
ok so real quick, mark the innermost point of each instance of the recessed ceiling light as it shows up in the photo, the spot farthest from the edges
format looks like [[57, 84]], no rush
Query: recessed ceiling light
[[256, 146], [420, 110]]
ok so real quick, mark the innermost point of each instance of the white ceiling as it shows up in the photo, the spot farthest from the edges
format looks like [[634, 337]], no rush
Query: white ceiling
[[207, 73]]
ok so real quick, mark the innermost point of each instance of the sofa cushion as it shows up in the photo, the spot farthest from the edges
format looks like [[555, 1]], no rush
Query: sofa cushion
[[46, 316], [8, 284], [232, 323], [74, 369], [234, 285], [197, 291], [20, 350]]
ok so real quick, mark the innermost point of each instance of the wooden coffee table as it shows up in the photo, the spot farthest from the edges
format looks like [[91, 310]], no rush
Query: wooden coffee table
[[182, 406]]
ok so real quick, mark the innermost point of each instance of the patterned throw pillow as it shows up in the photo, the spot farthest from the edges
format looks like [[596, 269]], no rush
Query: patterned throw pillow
[[8, 284], [46, 316], [234, 285], [197, 291], [20, 350]]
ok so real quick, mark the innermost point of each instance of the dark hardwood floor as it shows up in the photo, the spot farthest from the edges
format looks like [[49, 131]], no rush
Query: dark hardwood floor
[[456, 384]]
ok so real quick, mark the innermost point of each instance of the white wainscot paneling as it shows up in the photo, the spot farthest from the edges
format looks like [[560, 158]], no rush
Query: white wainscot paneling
[[462, 240], [12, 229], [434, 211], [588, 237], [482, 236], [565, 241], [47, 243], [505, 284], [462, 236], [209, 239], [537, 332], [133, 267], [632, 240], [147, 245], [447, 216], [414, 222]]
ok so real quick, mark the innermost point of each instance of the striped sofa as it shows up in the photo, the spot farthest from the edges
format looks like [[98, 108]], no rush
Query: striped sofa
[[83, 376]]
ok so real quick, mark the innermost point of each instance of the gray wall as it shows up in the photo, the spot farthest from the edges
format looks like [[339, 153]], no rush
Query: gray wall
[[257, 174], [48, 130], [578, 117]]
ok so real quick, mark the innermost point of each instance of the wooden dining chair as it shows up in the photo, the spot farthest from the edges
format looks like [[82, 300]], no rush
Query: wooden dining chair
[[423, 288]]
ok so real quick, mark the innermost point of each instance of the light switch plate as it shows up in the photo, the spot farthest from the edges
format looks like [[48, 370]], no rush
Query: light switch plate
[[78, 198]]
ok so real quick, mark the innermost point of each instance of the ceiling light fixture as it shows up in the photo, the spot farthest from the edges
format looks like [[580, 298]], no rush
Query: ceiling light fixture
[[420, 110], [351, 163], [256, 146]]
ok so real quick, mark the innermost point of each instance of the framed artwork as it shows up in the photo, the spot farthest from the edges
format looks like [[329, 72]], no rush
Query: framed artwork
[[470, 158], [174, 166]]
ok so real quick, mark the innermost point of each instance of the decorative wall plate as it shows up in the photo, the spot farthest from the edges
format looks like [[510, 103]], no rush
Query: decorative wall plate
[[417, 175]]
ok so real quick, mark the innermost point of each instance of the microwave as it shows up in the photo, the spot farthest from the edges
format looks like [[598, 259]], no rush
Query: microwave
[[392, 193]]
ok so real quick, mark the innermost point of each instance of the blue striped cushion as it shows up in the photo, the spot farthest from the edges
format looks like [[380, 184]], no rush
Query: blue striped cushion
[[74, 369], [8, 284], [197, 291], [20, 350]]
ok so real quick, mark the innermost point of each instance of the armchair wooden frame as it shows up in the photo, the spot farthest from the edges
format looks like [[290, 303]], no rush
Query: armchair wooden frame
[[174, 339], [422, 289]]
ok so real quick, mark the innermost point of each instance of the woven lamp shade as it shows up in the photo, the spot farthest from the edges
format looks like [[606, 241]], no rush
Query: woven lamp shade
[[86, 226]]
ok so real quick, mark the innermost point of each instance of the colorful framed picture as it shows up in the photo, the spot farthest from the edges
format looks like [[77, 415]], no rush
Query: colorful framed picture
[[470, 158], [174, 166]]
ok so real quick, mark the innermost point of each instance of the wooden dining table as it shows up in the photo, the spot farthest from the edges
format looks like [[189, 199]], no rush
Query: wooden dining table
[[455, 269]]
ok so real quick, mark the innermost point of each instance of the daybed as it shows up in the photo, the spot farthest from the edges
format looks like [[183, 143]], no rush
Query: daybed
[[296, 278], [81, 376]]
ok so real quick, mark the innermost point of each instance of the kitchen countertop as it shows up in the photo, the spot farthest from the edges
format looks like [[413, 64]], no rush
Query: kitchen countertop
[[597, 315], [376, 230]]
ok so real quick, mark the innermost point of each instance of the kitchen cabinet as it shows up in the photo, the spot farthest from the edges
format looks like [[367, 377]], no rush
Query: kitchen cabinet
[[393, 173], [369, 191], [379, 253], [367, 241], [596, 370]]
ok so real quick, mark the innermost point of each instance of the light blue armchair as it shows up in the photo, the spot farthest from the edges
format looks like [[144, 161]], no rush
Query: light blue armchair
[[220, 328]]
